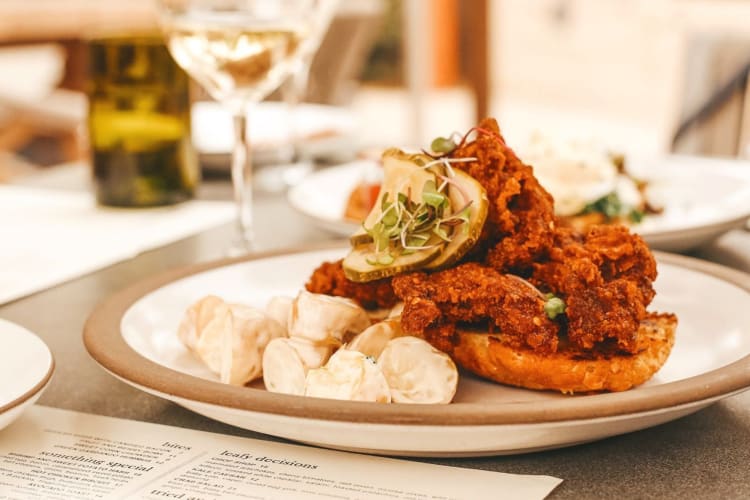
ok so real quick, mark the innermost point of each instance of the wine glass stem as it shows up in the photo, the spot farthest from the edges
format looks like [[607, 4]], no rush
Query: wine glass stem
[[293, 94], [242, 182]]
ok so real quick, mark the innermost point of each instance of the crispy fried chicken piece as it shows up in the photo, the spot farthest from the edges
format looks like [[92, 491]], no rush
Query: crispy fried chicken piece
[[613, 310], [329, 279], [605, 278], [475, 294], [521, 212], [605, 275], [623, 255]]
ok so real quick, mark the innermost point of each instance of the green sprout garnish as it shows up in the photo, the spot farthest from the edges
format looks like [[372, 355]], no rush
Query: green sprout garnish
[[610, 206], [406, 226], [636, 216], [442, 145], [432, 197], [554, 306]]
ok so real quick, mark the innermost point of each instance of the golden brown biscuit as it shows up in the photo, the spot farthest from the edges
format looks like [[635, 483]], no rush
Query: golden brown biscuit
[[569, 371]]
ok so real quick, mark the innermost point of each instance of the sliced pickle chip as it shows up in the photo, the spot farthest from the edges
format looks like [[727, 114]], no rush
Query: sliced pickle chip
[[465, 236], [438, 216], [360, 237], [402, 173], [361, 264]]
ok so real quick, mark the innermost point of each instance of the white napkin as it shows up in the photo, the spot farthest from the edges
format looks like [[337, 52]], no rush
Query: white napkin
[[49, 236]]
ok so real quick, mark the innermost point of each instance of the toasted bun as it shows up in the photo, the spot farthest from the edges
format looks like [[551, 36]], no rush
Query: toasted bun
[[568, 370]]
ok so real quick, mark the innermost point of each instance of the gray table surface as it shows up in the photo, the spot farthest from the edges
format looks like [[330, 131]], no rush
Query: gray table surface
[[704, 455]]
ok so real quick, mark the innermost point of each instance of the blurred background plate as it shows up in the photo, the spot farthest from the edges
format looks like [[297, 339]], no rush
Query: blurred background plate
[[325, 132], [702, 198], [322, 196], [26, 366]]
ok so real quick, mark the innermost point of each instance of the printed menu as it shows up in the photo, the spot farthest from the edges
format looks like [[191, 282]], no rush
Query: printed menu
[[59, 454]]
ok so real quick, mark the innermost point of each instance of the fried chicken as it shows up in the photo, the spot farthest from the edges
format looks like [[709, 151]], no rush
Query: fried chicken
[[521, 217], [605, 277], [475, 294], [329, 279]]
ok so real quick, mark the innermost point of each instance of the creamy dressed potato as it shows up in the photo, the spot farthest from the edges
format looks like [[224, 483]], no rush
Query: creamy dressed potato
[[229, 338], [349, 375], [417, 372]]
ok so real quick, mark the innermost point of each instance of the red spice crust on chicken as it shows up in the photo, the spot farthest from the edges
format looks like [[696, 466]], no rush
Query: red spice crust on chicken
[[329, 279], [488, 311]]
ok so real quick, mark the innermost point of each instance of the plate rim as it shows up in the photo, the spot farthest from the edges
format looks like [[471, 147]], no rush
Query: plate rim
[[340, 226], [104, 342], [42, 383]]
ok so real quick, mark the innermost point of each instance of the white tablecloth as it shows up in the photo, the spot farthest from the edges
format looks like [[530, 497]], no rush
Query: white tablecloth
[[49, 236]]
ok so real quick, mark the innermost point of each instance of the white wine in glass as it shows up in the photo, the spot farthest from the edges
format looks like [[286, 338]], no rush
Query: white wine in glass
[[240, 51]]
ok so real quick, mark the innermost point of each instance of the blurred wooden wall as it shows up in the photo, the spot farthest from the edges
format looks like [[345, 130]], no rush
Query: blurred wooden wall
[[632, 62]]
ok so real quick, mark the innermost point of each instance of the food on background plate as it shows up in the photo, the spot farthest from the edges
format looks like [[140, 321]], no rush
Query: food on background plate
[[468, 239], [361, 200], [590, 185]]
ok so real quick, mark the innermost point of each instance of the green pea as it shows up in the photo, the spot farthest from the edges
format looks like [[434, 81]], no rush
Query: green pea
[[553, 307]]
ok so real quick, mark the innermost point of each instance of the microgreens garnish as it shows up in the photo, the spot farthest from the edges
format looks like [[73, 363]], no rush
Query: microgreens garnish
[[406, 226], [610, 206], [636, 215]]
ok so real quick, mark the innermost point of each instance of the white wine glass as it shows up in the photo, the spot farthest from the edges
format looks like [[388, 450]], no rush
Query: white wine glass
[[293, 164], [240, 51]]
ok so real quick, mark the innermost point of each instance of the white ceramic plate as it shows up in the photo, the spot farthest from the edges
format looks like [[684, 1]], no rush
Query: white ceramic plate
[[26, 366], [324, 131], [702, 198], [133, 335], [322, 196]]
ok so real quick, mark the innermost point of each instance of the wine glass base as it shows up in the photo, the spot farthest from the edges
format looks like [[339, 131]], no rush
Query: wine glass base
[[241, 245], [237, 251]]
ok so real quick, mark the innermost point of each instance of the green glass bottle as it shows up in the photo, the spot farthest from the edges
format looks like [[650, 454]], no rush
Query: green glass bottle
[[139, 123]]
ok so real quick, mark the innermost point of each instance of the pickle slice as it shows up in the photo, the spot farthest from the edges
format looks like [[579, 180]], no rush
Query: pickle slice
[[406, 175], [360, 237], [402, 173], [463, 238], [361, 263]]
